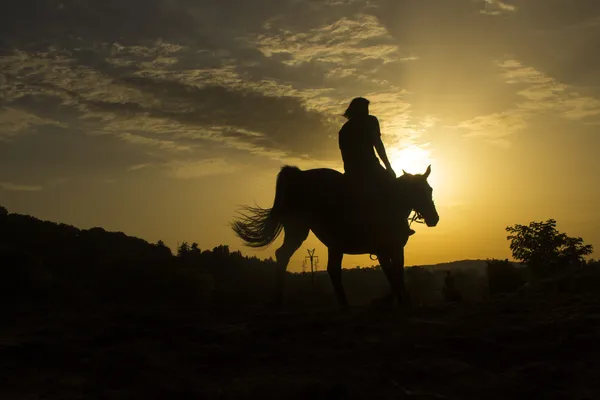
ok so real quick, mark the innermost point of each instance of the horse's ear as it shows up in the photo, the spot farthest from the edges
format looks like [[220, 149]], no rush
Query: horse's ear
[[404, 172], [426, 174]]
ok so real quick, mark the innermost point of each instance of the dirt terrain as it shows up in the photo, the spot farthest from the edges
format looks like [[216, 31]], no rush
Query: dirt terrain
[[528, 346]]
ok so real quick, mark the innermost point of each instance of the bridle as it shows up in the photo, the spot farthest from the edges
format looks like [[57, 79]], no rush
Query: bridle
[[417, 217]]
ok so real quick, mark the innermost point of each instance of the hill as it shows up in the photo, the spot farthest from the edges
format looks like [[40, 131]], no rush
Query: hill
[[48, 240], [95, 314], [465, 265]]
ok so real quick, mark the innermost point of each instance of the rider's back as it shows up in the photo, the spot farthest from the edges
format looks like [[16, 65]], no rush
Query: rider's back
[[356, 141]]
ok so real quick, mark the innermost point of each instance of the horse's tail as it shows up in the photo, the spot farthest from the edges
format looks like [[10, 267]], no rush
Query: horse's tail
[[259, 227]]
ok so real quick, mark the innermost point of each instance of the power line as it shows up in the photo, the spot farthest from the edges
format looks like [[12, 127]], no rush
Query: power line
[[311, 256]]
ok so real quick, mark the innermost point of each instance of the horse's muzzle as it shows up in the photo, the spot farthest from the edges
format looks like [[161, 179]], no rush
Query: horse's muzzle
[[431, 222]]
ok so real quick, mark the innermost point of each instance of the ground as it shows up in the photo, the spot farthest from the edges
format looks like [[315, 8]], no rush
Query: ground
[[522, 346]]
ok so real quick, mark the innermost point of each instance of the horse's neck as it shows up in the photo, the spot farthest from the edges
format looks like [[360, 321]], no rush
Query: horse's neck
[[405, 212], [402, 200]]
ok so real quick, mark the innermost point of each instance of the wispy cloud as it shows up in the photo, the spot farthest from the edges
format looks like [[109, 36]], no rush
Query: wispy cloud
[[544, 93], [137, 167], [496, 128], [56, 73], [12, 187], [145, 141], [198, 169], [14, 121], [497, 7], [540, 93], [345, 42], [179, 98], [160, 107]]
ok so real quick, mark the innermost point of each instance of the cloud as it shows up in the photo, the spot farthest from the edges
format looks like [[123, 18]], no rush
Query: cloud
[[198, 169], [12, 187], [345, 42], [497, 7], [496, 128], [540, 94], [137, 167], [544, 93], [56, 73], [70, 22], [207, 77], [272, 78], [14, 121], [166, 102], [145, 141]]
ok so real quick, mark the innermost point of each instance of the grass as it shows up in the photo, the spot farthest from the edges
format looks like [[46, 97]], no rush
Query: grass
[[524, 346]]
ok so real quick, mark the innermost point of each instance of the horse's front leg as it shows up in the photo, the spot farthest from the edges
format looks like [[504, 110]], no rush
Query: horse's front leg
[[398, 268], [386, 265], [393, 267]]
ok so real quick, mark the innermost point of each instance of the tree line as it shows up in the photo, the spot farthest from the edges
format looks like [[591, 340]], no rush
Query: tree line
[[53, 262]]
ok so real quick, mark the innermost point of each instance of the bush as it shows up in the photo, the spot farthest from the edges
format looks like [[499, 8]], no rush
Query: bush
[[503, 276]]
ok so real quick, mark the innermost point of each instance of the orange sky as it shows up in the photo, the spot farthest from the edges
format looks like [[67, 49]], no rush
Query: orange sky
[[161, 126]]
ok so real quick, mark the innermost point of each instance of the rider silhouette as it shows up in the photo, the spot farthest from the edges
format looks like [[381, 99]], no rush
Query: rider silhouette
[[357, 139]]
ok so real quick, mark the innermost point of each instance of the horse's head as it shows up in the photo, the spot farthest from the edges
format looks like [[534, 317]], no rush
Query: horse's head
[[418, 195]]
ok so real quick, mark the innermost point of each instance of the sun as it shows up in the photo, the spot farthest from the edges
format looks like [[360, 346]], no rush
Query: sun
[[412, 159]]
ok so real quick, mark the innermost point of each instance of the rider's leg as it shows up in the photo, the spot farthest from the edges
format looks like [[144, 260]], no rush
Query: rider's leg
[[386, 185]]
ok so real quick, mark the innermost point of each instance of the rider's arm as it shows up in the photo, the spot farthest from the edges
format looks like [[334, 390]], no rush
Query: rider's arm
[[382, 154], [379, 145]]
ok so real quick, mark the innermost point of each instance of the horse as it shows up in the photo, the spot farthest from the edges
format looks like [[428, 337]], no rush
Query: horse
[[346, 217]]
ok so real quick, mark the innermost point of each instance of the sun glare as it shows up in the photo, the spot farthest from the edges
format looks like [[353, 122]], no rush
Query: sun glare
[[412, 159]]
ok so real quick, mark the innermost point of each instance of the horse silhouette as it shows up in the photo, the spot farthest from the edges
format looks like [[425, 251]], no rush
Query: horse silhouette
[[345, 216]]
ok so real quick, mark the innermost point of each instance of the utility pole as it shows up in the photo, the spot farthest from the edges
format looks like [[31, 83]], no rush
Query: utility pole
[[313, 258]]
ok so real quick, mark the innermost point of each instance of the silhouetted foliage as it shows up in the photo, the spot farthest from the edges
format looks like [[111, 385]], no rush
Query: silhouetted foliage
[[183, 249], [76, 266], [503, 277], [592, 263], [46, 262], [451, 294], [545, 250]]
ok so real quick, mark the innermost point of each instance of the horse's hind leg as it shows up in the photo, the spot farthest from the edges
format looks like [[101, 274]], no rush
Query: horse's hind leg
[[334, 269], [295, 235]]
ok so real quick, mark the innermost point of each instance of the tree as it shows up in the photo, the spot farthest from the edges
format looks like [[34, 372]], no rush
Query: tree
[[163, 248], [544, 249], [183, 249]]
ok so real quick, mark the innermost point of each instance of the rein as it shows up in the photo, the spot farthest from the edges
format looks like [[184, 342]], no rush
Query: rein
[[417, 217]]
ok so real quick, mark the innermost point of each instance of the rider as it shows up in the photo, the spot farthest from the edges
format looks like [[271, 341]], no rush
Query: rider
[[357, 138]]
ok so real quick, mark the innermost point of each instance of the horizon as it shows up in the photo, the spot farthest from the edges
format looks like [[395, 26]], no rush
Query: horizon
[[159, 118], [174, 250]]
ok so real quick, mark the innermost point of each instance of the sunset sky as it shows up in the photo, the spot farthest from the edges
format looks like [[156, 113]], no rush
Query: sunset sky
[[159, 118]]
